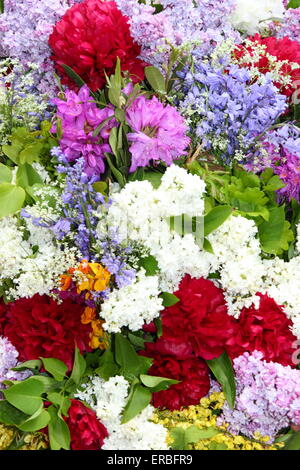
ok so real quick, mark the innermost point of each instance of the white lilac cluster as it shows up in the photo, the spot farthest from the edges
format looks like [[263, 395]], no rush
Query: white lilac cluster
[[30, 259], [146, 215], [108, 399], [243, 272], [251, 17], [132, 305]]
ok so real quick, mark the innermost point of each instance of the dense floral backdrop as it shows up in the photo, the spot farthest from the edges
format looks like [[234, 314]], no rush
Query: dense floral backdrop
[[149, 224]]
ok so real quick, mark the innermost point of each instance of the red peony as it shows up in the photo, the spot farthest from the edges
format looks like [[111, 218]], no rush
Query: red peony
[[87, 432], [89, 38], [41, 327], [200, 319], [284, 50], [267, 330], [194, 382]]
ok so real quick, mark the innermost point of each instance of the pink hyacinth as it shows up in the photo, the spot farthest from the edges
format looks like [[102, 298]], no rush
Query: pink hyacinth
[[80, 116], [158, 133]]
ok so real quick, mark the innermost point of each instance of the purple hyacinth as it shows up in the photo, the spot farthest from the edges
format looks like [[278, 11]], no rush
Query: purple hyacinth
[[225, 111], [8, 359], [80, 116], [268, 397], [158, 133]]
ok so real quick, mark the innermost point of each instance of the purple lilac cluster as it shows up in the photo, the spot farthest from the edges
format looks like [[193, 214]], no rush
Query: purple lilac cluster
[[25, 26], [203, 23], [225, 111], [280, 150], [158, 132], [268, 397], [8, 359], [79, 117], [289, 26]]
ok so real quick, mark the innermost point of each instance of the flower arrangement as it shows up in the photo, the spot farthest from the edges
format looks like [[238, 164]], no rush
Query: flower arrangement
[[149, 225]]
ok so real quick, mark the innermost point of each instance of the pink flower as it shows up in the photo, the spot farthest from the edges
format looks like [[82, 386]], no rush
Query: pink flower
[[80, 116], [158, 133]]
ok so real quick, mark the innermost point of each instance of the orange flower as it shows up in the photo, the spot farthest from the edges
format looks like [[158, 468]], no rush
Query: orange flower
[[65, 282], [88, 315], [98, 338]]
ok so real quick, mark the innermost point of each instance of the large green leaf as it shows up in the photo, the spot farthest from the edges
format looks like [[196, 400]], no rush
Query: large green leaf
[[215, 218], [169, 299], [294, 442], [138, 400], [26, 395], [223, 371], [183, 437], [78, 367], [156, 79], [55, 367], [12, 198], [5, 174], [275, 234], [59, 433], [10, 415], [156, 384], [126, 355], [150, 264], [107, 365], [36, 423], [293, 4], [27, 176]]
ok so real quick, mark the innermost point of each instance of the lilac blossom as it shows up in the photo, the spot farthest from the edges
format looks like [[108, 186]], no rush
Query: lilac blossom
[[158, 133], [8, 360], [280, 150], [268, 397], [289, 26], [225, 111], [198, 24], [80, 116]]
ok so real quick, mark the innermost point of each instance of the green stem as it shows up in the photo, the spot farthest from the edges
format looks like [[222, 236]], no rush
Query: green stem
[[1, 6]]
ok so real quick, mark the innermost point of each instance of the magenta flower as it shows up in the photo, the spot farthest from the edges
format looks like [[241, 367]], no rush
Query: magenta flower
[[158, 133], [80, 116]]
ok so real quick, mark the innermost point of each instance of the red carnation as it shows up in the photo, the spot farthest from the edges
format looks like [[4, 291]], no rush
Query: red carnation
[[194, 382], [87, 432], [266, 329], [284, 50], [41, 327], [200, 319], [89, 38]]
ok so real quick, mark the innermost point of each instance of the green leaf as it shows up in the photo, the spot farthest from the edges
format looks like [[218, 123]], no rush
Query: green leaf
[[79, 366], [26, 395], [10, 415], [294, 442], [191, 435], [275, 234], [61, 401], [207, 246], [73, 75], [169, 299], [100, 187], [33, 364], [12, 151], [293, 4], [150, 264], [126, 355], [223, 371], [30, 153], [156, 384], [5, 174], [107, 365], [27, 176], [274, 184], [37, 423], [158, 326], [215, 218], [12, 199], [55, 367], [138, 400], [117, 174], [156, 79], [59, 433], [154, 177], [136, 340]]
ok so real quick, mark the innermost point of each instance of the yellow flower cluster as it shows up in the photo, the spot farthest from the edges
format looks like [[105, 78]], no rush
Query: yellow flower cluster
[[28, 441], [205, 416]]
